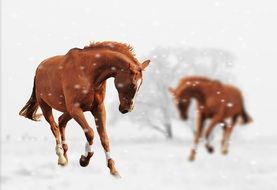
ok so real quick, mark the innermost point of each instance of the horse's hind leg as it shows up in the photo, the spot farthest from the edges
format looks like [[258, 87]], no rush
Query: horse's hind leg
[[100, 120], [47, 113], [226, 137], [63, 119]]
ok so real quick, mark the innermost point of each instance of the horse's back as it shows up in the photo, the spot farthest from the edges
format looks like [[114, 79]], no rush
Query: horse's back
[[232, 92]]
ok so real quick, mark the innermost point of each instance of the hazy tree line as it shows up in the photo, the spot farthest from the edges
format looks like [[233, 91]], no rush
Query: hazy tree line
[[154, 107]]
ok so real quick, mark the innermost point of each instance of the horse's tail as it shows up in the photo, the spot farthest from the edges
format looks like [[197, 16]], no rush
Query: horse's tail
[[30, 109], [245, 116]]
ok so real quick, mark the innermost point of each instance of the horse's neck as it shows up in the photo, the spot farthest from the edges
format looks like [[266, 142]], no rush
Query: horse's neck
[[108, 68], [195, 92]]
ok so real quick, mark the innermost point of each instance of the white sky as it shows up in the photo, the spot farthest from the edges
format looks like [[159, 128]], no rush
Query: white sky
[[33, 30]]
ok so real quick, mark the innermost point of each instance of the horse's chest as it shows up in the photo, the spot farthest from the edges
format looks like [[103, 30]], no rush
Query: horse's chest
[[89, 101]]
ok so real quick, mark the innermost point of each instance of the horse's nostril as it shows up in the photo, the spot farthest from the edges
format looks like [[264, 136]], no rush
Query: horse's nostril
[[124, 111]]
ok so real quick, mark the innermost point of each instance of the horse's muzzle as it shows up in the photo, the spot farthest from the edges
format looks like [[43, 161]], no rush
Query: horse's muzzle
[[123, 110], [184, 117]]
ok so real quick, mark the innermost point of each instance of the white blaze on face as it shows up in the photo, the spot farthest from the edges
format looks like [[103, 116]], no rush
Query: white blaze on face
[[138, 84], [139, 81]]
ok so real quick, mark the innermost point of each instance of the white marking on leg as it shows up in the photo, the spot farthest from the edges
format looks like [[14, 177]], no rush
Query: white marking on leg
[[88, 148], [64, 142], [108, 156], [210, 139], [194, 146], [59, 149]]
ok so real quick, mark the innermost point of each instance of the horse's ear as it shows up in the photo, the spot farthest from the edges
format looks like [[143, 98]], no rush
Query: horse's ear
[[171, 90], [145, 64]]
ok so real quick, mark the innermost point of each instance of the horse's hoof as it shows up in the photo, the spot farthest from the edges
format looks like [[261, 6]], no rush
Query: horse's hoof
[[191, 158], [84, 161], [224, 151], [210, 149], [115, 174], [62, 161]]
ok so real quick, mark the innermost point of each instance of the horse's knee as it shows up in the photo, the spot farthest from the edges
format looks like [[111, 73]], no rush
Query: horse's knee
[[105, 144], [89, 134]]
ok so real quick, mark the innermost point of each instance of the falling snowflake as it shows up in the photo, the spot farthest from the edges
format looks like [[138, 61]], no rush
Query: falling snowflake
[[253, 163], [221, 124], [229, 104], [184, 100], [82, 67], [77, 86], [76, 104], [120, 85], [113, 68], [84, 91], [97, 55], [110, 44], [85, 130], [49, 94]]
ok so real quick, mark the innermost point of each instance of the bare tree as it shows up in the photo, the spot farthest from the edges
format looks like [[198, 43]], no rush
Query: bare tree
[[154, 107]]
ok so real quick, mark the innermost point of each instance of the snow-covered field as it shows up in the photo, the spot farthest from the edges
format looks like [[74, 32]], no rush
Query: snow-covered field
[[144, 159]]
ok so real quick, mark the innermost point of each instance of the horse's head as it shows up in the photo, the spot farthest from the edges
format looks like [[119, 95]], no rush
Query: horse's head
[[127, 84], [182, 102]]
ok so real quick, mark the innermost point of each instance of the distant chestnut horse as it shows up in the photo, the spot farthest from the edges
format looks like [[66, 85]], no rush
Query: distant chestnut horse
[[215, 101], [76, 82]]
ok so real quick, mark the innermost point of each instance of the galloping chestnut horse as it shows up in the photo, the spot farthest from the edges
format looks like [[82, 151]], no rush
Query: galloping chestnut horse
[[215, 101], [76, 82]]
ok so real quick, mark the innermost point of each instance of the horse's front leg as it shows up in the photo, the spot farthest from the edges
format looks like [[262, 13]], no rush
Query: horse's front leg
[[77, 114], [197, 136], [208, 137], [99, 114]]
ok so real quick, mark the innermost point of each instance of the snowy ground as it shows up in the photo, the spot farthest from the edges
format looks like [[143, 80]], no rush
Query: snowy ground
[[144, 159]]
